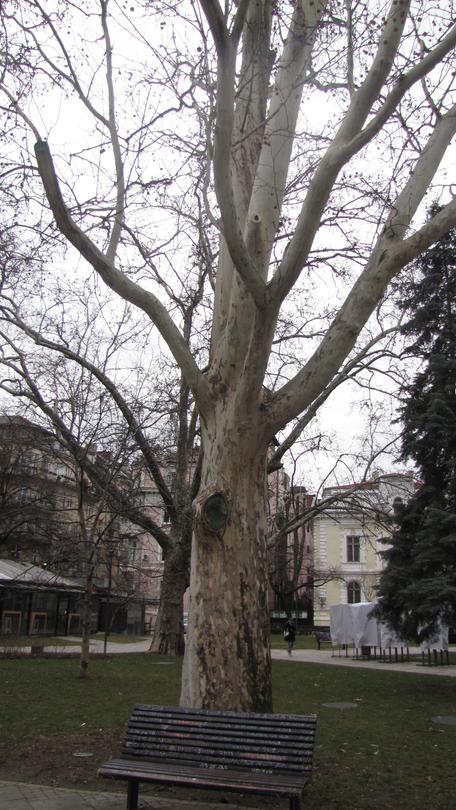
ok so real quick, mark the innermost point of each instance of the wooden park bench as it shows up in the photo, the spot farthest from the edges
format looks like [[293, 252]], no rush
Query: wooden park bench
[[323, 637], [264, 754]]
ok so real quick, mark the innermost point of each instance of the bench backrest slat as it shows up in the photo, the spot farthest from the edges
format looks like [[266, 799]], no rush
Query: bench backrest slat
[[227, 733], [206, 739], [254, 718], [272, 750]]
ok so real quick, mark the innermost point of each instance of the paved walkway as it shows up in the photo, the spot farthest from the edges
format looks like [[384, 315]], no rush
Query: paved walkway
[[97, 646], [299, 656], [326, 657], [22, 796]]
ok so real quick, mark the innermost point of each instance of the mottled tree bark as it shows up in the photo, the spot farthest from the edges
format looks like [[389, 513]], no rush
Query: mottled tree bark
[[227, 661], [168, 637]]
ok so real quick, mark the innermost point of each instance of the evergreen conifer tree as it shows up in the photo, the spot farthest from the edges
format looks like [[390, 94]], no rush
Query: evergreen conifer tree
[[417, 588]]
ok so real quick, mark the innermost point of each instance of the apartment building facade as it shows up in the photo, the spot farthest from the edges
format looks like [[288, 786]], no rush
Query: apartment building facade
[[349, 532], [43, 499], [52, 518]]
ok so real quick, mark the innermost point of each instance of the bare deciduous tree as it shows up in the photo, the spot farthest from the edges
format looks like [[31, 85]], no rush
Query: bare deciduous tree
[[325, 124], [49, 373]]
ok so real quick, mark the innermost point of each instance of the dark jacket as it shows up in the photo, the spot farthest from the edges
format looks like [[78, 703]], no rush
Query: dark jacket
[[289, 631]]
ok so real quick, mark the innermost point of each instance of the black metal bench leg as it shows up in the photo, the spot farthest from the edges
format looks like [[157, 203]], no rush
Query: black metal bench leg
[[295, 803], [132, 795]]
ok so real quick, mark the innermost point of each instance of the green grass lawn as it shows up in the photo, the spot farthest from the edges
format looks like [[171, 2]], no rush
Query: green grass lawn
[[302, 642], [385, 754]]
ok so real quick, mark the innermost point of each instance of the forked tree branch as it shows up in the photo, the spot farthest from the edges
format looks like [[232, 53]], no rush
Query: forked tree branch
[[118, 281], [344, 374], [115, 142], [119, 499], [223, 143], [388, 258], [11, 316], [350, 138]]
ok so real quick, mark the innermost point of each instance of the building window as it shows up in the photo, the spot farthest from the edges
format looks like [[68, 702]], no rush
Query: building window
[[132, 552], [24, 495], [353, 548], [30, 463], [353, 593], [398, 509]]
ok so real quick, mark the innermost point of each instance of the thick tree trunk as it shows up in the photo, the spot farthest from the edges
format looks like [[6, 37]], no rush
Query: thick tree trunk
[[227, 657], [168, 637]]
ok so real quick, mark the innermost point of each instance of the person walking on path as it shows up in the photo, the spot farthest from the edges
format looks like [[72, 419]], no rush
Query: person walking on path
[[289, 634]]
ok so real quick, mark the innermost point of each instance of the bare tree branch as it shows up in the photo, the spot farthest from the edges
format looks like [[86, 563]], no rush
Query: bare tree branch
[[117, 280]]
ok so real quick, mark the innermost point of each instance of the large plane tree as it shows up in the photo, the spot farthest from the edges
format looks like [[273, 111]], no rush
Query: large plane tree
[[302, 137]]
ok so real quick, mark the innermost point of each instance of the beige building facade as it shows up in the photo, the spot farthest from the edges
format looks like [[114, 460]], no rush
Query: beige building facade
[[353, 526]]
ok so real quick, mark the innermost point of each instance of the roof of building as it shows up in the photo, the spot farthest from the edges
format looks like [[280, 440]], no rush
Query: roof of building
[[15, 572], [19, 421], [374, 484]]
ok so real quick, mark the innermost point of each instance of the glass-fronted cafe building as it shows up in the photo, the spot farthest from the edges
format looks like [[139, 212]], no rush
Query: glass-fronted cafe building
[[34, 601]]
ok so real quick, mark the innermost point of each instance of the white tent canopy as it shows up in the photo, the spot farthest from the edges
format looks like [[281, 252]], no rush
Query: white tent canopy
[[354, 624], [437, 642]]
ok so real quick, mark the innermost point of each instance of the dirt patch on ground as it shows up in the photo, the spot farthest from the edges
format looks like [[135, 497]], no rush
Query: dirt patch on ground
[[51, 760], [57, 761]]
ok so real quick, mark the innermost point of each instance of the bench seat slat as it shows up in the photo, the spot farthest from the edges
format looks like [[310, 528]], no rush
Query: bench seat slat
[[237, 781]]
